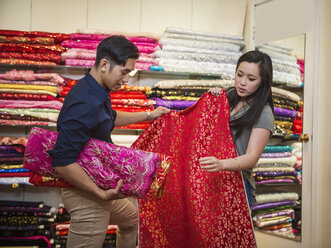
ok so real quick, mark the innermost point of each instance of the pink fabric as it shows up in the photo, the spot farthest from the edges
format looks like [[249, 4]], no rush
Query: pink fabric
[[93, 46], [99, 37], [30, 104], [105, 163], [31, 76]]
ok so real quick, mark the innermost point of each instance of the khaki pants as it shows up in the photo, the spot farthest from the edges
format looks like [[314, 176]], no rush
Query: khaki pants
[[90, 216]]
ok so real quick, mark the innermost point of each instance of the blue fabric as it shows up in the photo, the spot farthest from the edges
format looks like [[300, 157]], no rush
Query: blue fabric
[[86, 113], [250, 196]]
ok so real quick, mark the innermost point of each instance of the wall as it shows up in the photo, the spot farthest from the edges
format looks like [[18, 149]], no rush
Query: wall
[[323, 199], [217, 16]]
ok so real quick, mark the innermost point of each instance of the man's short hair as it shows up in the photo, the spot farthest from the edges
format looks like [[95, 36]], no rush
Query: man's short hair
[[117, 50]]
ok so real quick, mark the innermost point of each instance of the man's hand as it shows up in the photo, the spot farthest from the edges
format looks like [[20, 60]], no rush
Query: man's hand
[[156, 113], [113, 194]]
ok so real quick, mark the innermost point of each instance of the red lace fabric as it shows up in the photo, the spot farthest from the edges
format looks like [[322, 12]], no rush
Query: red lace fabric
[[198, 209]]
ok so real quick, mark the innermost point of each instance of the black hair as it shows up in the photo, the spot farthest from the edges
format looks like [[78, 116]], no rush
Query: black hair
[[259, 99], [117, 50]]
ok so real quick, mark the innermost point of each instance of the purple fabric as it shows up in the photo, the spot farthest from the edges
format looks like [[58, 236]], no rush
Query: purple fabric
[[276, 214], [173, 104], [276, 155], [275, 181], [274, 173], [272, 205], [105, 163], [285, 112]]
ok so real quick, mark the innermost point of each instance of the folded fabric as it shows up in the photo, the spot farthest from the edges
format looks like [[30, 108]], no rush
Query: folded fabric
[[275, 197], [143, 172]]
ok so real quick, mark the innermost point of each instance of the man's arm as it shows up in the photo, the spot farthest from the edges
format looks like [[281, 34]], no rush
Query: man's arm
[[75, 175], [127, 118]]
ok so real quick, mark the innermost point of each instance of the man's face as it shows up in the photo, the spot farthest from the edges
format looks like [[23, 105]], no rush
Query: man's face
[[113, 79]]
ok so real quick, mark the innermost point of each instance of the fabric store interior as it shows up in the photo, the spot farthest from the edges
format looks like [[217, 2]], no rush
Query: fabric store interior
[[186, 47]]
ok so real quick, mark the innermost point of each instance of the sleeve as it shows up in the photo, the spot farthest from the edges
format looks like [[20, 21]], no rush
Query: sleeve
[[75, 131], [266, 120]]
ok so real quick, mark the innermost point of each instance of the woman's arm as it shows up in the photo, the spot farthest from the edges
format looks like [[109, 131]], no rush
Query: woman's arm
[[257, 141], [127, 118]]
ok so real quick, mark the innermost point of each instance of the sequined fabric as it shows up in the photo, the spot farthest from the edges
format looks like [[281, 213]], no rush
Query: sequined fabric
[[198, 209]]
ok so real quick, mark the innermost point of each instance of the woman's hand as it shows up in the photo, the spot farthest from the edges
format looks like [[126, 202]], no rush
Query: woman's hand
[[156, 113], [211, 164], [215, 91]]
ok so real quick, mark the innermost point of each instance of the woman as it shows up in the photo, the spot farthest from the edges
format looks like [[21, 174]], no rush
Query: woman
[[251, 117]]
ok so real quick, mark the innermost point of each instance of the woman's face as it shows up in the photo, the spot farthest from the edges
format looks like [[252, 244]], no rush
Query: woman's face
[[247, 79]]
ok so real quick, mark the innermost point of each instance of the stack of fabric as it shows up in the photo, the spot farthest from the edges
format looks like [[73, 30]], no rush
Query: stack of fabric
[[82, 48], [33, 48], [61, 228], [286, 71], [11, 161], [181, 94], [61, 222], [132, 99], [29, 98], [25, 223], [274, 212], [297, 152], [199, 52], [276, 166], [286, 106]]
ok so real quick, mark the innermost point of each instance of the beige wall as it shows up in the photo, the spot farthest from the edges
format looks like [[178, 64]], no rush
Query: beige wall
[[323, 229], [217, 16]]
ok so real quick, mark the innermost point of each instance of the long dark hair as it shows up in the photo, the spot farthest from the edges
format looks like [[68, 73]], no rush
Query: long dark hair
[[259, 99]]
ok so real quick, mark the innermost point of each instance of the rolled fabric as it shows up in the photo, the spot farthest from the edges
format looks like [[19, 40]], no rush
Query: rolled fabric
[[143, 173], [277, 149], [273, 173], [285, 112], [276, 197], [173, 104], [275, 181], [272, 205], [276, 155], [285, 161]]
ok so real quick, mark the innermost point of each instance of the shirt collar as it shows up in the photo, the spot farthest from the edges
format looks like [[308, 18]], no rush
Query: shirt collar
[[96, 87]]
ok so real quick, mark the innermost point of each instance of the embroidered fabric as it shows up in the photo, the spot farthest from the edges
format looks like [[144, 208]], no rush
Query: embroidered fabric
[[143, 173], [198, 209]]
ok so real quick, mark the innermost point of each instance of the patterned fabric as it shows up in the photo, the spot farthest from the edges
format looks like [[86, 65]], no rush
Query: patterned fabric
[[198, 209], [143, 173]]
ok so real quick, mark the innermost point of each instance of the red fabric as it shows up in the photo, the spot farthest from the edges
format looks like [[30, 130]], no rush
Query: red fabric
[[24, 96], [198, 209], [39, 180], [53, 57], [15, 174]]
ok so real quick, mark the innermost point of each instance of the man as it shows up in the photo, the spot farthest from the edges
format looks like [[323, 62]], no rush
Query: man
[[87, 113]]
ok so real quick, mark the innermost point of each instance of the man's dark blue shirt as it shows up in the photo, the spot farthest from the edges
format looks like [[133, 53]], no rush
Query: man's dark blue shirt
[[86, 113]]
